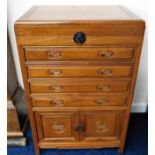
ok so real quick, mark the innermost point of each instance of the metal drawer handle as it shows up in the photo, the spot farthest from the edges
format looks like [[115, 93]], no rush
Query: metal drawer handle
[[53, 54], [57, 102], [102, 101], [105, 72], [103, 87], [55, 71], [106, 54], [56, 88]]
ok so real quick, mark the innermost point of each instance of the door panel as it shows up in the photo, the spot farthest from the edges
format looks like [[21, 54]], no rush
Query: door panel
[[101, 125], [57, 125]]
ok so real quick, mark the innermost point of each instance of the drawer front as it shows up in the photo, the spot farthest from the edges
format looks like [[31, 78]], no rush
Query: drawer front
[[78, 85], [99, 125], [56, 126], [71, 53], [78, 99], [78, 71], [91, 29]]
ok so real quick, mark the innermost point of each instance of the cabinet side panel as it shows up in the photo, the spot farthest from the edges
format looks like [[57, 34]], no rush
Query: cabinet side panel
[[131, 94], [27, 92]]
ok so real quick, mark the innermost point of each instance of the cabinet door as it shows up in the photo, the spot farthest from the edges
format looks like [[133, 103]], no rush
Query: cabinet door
[[102, 125], [57, 126]]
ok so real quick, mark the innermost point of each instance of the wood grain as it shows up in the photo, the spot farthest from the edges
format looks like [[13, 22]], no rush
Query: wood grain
[[69, 53], [64, 85], [52, 13], [64, 80], [45, 71], [78, 99]]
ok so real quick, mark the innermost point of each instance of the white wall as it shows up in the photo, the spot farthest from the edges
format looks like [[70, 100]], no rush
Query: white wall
[[17, 7]]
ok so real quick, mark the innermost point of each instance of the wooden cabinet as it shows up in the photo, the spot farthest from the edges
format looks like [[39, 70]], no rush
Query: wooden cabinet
[[79, 67]]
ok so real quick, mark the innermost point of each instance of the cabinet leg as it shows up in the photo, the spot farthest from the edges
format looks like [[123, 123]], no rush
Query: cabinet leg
[[121, 149], [38, 152]]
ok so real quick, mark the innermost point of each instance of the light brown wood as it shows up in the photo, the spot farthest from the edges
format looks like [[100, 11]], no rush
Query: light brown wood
[[100, 125], [62, 31], [68, 53], [79, 82], [57, 126], [68, 40], [27, 93], [63, 13], [73, 126], [78, 99], [78, 85], [38, 71], [13, 128], [131, 94], [80, 108], [80, 145]]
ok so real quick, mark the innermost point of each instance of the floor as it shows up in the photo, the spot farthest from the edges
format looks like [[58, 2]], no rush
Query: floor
[[136, 143]]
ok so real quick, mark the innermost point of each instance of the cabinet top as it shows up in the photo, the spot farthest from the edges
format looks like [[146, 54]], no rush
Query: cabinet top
[[76, 13]]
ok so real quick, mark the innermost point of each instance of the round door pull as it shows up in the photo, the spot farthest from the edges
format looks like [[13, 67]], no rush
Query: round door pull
[[53, 54], [105, 72], [102, 101], [55, 72], [57, 102], [79, 38], [106, 54]]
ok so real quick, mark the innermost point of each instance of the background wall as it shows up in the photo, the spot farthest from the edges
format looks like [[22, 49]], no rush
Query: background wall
[[17, 8]]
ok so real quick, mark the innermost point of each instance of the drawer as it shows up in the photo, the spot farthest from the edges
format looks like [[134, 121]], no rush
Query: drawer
[[78, 99], [75, 34], [73, 85], [57, 126], [80, 53], [78, 71]]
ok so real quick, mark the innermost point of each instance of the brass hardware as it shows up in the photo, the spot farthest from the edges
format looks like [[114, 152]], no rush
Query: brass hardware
[[103, 87], [57, 102], [105, 72], [56, 88], [53, 54], [55, 72], [106, 54], [102, 101]]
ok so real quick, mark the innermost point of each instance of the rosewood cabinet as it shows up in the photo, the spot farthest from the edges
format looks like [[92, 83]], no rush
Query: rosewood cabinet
[[79, 67]]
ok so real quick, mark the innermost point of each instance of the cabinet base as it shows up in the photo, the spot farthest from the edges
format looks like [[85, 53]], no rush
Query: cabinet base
[[79, 145]]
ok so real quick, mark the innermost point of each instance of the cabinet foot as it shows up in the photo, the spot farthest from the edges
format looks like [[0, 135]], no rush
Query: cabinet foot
[[121, 150], [38, 153]]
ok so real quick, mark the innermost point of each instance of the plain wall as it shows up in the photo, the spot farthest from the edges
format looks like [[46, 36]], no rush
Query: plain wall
[[16, 8]]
